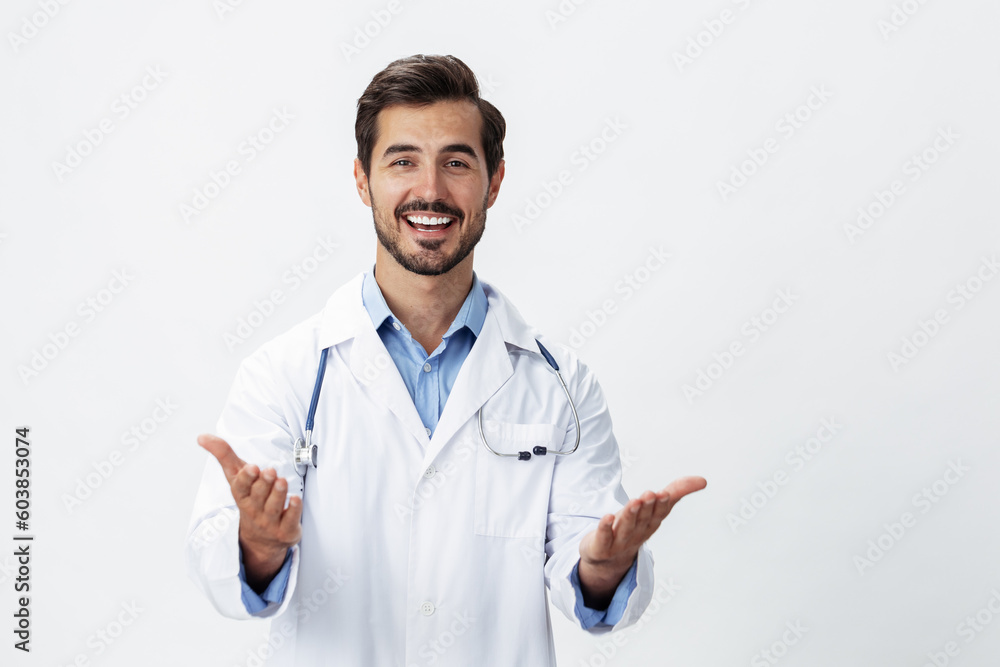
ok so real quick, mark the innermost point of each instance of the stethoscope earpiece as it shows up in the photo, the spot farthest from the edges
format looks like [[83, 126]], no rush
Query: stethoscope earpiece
[[539, 450]]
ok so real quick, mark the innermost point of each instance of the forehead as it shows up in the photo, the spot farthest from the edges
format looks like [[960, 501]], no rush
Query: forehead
[[430, 126]]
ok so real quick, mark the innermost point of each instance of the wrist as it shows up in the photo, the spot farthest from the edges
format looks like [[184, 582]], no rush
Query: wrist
[[260, 564], [604, 573], [599, 581]]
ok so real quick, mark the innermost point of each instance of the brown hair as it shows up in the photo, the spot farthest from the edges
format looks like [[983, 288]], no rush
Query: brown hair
[[421, 80]]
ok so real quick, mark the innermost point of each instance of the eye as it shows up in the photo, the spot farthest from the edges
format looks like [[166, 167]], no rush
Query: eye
[[401, 161], [458, 162]]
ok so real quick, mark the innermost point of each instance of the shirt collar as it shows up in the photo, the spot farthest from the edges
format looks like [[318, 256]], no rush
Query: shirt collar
[[471, 315], [344, 317]]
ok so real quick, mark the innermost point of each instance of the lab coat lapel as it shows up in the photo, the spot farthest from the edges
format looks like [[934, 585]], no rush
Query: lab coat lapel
[[375, 370], [484, 371], [345, 319]]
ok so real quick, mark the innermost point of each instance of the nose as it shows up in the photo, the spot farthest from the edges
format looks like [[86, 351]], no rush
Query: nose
[[431, 185]]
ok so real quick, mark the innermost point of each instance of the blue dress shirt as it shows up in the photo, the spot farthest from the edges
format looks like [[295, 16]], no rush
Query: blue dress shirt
[[429, 379]]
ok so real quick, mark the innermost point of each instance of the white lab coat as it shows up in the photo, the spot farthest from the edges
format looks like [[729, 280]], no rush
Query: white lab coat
[[417, 550]]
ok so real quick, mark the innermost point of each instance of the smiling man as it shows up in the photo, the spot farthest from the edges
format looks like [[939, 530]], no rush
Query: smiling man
[[456, 478]]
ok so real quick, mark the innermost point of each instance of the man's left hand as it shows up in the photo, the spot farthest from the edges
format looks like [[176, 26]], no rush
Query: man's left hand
[[608, 552]]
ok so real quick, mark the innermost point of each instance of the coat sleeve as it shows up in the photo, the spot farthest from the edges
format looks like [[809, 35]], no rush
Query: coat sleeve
[[255, 425], [586, 485]]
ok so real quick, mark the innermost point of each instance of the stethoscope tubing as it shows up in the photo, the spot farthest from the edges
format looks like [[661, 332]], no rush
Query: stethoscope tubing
[[538, 450], [305, 452]]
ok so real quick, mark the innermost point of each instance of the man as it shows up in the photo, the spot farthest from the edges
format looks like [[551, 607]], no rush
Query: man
[[414, 541]]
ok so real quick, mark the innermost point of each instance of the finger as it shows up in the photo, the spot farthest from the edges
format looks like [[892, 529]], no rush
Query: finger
[[261, 488], [640, 529], [604, 536], [291, 517], [243, 481], [625, 521], [275, 501], [649, 502], [223, 453], [679, 488], [662, 508]]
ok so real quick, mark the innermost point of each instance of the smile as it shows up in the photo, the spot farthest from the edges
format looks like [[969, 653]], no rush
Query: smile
[[424, 223]]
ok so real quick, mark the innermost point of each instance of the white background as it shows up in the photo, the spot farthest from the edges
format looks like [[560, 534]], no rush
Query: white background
[[684, 126]]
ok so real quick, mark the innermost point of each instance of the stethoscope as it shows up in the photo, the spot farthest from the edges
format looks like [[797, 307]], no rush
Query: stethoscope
[[305, 450]]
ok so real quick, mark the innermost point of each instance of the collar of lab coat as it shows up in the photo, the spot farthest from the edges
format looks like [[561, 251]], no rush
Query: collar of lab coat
[[345, 316], [470, 316], [484, 371]]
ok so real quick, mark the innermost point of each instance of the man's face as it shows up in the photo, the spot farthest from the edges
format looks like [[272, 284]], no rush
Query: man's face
[[428, 163]]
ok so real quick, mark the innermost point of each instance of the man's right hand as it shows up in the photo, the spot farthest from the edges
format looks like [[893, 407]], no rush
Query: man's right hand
[[267, 528]]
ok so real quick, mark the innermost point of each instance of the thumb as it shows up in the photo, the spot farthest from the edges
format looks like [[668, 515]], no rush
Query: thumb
[[602, 538], [224, 454]]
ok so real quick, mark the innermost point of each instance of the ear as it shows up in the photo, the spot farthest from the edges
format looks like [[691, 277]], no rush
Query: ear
[[495, 184], [362, 182]]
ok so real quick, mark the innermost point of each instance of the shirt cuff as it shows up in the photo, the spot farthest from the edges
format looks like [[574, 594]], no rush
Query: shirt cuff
[[616, 609], [275, 591]]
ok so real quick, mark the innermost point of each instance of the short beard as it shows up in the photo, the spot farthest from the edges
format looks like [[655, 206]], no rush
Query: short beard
[[428, 265]]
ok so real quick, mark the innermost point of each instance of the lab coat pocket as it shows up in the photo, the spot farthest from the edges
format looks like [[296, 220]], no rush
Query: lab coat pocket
[[512, 496]]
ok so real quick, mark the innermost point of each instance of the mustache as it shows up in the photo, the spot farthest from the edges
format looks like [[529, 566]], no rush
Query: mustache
[[433, 207]]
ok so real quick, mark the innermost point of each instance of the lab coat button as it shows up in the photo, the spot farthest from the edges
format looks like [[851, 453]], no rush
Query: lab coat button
[[427, 368], [427, 608], [430, 472]]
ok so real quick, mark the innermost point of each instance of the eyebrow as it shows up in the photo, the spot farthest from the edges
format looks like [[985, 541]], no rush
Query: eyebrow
[[450, 148]]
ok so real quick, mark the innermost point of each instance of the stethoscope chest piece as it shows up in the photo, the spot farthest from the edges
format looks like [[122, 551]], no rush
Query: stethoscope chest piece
[[305, 452]]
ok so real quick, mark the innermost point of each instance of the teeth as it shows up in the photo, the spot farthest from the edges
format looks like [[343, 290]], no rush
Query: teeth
[[424, 220]]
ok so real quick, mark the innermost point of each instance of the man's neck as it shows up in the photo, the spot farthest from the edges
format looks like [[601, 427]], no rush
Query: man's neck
[[426, 305]]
